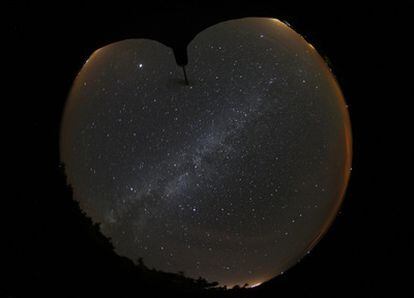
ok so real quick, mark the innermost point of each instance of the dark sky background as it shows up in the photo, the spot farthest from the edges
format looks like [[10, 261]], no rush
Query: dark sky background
[[233, 177], [368, 248]]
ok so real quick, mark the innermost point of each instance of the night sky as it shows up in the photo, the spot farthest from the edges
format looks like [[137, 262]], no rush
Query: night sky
[[233, 177]]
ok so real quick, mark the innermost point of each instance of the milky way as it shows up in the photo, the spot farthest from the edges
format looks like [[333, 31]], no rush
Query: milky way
[[233, 177]]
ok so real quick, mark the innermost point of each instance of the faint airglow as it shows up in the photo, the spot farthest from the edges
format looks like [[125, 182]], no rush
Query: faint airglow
[[256, 284], [283, 23], [311, 46], [277, 21], [166, 185], [93, 55]]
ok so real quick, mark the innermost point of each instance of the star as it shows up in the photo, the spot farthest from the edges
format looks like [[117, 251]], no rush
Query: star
[[231, 177]]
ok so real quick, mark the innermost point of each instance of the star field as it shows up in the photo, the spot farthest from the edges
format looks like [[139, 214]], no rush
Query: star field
[[233, 177]]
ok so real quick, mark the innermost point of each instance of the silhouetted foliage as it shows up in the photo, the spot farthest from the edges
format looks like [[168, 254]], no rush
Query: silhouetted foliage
[[72, 258], [51, 250]]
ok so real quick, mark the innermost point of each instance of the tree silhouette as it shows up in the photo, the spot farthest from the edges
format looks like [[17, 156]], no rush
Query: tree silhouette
[[72, 258]]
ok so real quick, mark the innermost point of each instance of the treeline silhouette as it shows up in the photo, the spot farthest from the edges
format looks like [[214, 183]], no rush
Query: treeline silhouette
[[70, 257], [56, 250]]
